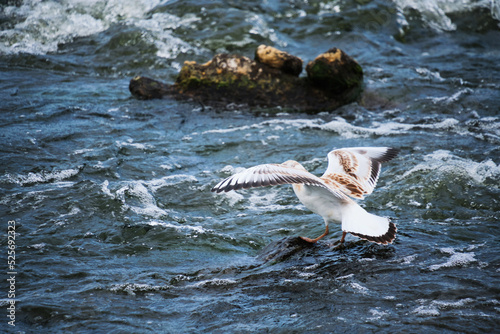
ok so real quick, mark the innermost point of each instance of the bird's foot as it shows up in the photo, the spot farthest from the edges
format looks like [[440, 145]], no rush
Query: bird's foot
[[312, 241], [338, 245]]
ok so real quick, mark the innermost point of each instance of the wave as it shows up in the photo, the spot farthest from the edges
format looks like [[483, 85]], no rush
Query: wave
[[41, 27], [41, 177], [136, 197], [444, 162], [436, 14], [347, 130], [486, 128], [133, 288], [139, 196], [457, 259], [194, 229]]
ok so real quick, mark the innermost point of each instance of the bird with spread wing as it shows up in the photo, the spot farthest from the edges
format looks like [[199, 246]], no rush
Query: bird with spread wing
[[351, 173]]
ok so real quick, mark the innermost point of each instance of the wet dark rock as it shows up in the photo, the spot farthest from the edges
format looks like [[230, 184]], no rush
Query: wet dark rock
[[286, 248], [280, 250], [271, 80], [334, 71], [144, 88]]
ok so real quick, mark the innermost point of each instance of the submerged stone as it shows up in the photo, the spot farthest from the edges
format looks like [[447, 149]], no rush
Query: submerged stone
[[334, 79], [145, 88]]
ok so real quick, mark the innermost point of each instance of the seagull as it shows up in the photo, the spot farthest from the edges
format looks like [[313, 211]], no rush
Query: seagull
[[351, 174]]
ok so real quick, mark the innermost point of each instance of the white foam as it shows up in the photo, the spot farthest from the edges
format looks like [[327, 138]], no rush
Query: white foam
[[130, 143], [44, 25], [74, 210], [170, 180], [347, 130], [233, 197], [136, 197], [359, 288], [41, 177], [424, 72], [377, 314], [228, 130], [495, 10], [435, 12], [159, 29], [132, 288], [456, 259], [85, 150], [455, 304], [276, 124], [451, 99], [433, 307], [38, 246], [312, 267], [261, 28], [105, 189], [229, 170], [147, 203], [293, 123], [408, 259], [428, 310], [346, 276], [196, 229], [214, 282], [259, 199], [443, 161], [264, 200], [149, 210]]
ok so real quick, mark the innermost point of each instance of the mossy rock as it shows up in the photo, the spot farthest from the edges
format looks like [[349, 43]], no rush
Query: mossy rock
[[335, 71], [272, 80]]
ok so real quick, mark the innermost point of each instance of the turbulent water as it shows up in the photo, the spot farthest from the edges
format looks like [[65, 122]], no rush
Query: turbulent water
[[117, 230]]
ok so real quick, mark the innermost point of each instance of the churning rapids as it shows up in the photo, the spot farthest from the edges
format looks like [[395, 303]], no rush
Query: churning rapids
[[116, 230]]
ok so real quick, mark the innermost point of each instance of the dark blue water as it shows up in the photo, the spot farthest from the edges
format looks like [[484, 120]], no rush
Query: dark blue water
[[117, 230]]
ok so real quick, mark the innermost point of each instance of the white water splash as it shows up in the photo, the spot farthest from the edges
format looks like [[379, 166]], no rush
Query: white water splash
[[43, 26], [457, 259], [40, 177], [195, 229], [435, 12], [443, 161]]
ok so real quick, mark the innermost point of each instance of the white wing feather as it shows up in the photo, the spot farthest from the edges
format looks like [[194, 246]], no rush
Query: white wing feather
[[272, 174]]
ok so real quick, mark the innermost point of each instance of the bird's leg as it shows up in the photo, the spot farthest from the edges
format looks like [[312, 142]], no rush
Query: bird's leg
[[340, 243], [343, 237], [315, 240]]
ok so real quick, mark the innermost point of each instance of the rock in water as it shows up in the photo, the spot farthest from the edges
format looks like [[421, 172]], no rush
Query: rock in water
[[334, 71], [145, 88], [281, 250], [281, 60], [334, 79], [235, 79]]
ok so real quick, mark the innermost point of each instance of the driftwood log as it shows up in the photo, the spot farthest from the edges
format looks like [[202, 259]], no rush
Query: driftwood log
[[271, 80]]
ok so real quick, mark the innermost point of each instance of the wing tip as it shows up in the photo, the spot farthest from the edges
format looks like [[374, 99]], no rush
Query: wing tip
[[389, 154], [384, 239]]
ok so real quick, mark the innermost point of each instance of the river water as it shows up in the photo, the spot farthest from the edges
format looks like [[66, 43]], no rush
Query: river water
[[117, 230]]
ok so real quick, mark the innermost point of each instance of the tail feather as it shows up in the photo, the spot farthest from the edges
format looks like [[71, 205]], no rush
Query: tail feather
[[385, 239], [365, 225]]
